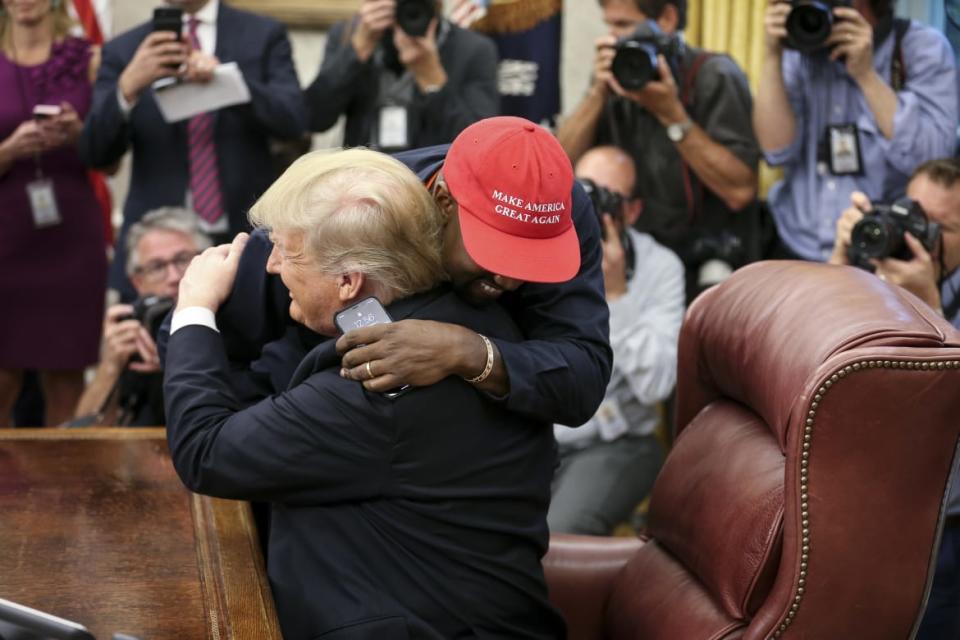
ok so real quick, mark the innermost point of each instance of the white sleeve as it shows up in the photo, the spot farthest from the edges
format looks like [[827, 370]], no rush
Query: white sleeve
[[193, 315]]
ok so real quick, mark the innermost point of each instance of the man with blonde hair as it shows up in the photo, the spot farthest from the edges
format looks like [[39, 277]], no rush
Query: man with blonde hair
[[421, 515]]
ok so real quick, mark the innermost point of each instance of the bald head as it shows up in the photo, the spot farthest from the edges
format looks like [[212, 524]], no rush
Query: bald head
[[608, 167]]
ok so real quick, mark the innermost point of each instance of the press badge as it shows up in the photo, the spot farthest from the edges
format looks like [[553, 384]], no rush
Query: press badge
[[43, 203], [844, 146], [610, 421], [392, 133]]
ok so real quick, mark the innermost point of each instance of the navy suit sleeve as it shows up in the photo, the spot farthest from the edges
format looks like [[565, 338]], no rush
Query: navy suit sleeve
[[560, 373], [276, 98], [338, 82], [106, 132], [260, 453]]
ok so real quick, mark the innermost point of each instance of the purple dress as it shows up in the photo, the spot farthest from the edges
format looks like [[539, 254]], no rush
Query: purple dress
[[52, 279]]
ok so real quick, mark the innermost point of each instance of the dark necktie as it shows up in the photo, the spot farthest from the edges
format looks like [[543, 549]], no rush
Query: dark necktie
[[204, 173]]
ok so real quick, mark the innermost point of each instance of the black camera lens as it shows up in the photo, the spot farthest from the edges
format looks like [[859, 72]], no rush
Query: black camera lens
[[634, 64], [414, 16], [809, 25], [872, 238]]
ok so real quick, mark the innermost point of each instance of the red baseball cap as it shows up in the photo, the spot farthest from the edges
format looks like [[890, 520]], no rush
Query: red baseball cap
[[512, 182]]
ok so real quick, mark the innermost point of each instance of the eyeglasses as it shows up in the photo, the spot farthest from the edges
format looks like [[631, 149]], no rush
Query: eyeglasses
[[155, 270]]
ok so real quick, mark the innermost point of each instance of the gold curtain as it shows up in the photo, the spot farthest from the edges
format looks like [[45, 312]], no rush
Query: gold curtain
[[734, 27]]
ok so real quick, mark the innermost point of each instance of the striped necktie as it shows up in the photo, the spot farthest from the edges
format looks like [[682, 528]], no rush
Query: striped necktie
[[204, 173]]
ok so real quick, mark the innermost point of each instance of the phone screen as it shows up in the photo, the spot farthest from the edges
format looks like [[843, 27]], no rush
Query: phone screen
[[365, 313]]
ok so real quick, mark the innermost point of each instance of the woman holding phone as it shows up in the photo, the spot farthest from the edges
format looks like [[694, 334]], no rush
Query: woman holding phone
[[52, 256]]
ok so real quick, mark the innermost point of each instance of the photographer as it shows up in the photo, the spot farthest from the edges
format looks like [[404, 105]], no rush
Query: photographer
[[608, 466], [935, 186], [687, 127], [404, 76], [862, 101], [127, 386]]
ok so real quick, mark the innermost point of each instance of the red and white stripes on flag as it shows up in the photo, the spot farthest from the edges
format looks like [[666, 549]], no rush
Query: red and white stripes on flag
[[95, 16], [465, 12]]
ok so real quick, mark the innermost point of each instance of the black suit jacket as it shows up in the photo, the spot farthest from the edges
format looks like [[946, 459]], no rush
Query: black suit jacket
[[420, 517], [346, 86], [160, 171]]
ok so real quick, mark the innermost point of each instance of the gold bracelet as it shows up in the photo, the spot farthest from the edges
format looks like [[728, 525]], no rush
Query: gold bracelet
[[489, 366]]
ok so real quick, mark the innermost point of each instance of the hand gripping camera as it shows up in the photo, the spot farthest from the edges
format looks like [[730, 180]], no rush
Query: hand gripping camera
[[414, 16], [880, 233], [635, 60], [606, 201], [810, 22]]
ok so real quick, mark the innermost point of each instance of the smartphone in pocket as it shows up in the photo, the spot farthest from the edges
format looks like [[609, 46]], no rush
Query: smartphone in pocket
[[366, 313]]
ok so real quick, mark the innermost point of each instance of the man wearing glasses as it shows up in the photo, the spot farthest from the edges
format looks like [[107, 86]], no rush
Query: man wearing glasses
[[127, 386]]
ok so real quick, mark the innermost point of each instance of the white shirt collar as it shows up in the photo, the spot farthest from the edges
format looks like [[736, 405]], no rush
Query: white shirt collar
[[207, 15]]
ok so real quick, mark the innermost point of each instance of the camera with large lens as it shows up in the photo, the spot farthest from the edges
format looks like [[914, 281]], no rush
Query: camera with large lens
[[635, 58], [879, 234], [604, 201], [150, 312], [610, 202], [414, 16], [810, 22]]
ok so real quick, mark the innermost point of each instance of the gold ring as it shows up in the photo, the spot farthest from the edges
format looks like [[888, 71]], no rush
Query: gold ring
[[370, 375]]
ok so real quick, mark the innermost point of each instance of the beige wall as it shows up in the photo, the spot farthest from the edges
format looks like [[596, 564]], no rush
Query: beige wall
[[582, 25]]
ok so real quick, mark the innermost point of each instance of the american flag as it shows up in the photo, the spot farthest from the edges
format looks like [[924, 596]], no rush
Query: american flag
[[465, 12]]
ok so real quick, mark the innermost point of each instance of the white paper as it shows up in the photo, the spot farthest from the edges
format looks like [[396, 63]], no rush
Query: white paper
[[187, 99]]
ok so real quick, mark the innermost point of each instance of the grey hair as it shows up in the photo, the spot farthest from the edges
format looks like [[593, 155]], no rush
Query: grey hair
[[169, 219]]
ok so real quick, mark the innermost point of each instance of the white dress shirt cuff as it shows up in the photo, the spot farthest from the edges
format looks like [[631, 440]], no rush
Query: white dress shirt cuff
[[125, 107], [193, 315]]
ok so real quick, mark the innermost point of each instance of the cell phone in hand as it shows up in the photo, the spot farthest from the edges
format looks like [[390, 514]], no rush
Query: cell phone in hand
[[366, 313], [168, 19], [46, 111]]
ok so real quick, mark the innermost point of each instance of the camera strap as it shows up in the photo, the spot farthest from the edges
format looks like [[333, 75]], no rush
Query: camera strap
[[898, 71], [693, 188]]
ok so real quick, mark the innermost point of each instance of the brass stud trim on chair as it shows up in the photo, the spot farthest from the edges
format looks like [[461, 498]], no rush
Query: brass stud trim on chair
[[805, 535]]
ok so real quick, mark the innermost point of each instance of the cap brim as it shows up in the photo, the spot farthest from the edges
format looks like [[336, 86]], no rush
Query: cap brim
[[546, 260]]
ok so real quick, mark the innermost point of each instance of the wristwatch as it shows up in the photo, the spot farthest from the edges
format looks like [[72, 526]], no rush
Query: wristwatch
[[679, 130]]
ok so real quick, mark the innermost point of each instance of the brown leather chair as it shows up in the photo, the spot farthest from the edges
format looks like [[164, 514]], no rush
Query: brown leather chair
[[818, 411]]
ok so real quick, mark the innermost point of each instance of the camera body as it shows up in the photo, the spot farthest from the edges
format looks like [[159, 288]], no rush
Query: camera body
[[880, 233], [810, 22], [414, 16], [606, 201], [150, 312], [635, 61]]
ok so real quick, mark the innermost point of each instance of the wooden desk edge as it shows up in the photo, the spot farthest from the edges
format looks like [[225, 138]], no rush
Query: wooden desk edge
[[237, 596]]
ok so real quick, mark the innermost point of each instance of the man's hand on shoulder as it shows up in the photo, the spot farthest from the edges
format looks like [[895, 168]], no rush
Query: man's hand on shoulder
[[209, 278], [410, 352]]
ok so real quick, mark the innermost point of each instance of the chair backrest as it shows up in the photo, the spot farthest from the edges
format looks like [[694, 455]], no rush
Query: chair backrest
[[817, 422]]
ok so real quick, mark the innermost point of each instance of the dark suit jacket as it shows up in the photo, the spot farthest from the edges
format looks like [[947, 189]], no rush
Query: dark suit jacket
[[420, 517], [160, 172], [345, 86], [558, 373]]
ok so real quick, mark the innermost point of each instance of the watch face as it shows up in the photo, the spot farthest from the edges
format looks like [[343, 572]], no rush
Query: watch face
[[675, 132]]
